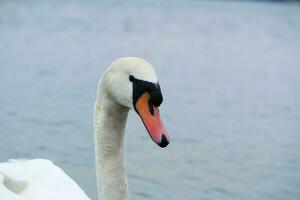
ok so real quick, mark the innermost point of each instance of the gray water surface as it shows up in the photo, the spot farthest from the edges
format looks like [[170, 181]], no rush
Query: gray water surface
[[229, 74]]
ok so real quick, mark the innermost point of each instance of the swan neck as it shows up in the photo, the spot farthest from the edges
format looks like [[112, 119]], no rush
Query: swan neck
[[109, 128]]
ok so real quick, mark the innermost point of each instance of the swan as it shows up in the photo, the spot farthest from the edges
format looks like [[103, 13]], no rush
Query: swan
[[128, 83]]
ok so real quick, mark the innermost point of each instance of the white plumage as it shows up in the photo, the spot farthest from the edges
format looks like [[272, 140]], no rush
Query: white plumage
[[36, 179], [40, 179]]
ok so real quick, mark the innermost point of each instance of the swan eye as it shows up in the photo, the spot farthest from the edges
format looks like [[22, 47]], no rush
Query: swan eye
[[153, 89]]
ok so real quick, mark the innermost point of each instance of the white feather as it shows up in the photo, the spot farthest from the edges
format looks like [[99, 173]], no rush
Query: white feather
[[36, 179], [40, 179]]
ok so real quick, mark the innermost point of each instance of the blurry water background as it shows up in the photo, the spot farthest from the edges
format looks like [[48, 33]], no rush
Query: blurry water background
[[229, 72]]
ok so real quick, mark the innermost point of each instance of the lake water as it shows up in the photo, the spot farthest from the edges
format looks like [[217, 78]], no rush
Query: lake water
[[230, 76]]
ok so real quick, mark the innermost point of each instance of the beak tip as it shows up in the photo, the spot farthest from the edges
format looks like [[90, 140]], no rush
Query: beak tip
[[164, 141]]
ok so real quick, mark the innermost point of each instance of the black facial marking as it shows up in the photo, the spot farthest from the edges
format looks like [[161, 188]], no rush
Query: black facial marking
[[131, 78], [140, 87]]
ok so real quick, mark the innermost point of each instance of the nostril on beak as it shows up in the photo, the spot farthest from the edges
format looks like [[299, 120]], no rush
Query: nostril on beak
[[164, 142]]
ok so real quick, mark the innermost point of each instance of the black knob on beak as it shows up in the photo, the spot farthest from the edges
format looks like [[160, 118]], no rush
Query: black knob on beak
[[156, 96]]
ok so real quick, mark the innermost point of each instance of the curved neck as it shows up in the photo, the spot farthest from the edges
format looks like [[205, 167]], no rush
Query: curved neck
[[109, 127]]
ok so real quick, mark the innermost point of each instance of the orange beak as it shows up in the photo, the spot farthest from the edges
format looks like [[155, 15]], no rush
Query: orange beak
[[151, 119]]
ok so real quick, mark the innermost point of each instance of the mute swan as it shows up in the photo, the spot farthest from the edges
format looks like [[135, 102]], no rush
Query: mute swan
[[129, 83]]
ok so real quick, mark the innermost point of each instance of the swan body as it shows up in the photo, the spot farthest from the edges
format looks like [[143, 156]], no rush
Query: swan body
[[36, 179], [129, 83]]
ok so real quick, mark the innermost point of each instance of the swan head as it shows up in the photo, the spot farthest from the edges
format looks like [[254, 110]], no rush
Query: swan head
[[132, 83]]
